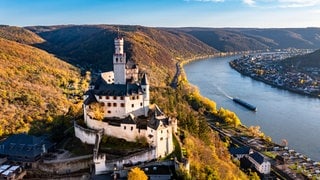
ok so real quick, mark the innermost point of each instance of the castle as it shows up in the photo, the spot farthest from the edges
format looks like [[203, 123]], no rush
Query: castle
[[123, 97]]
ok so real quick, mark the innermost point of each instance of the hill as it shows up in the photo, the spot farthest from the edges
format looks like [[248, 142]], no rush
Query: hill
[[33, 85], [308, 63], [20, 35], [244, 39], [91, 47]]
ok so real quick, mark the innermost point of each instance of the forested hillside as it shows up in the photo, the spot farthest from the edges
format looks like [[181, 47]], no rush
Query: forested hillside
[[244, 39], [91, 47], [33, 86], [309, 63], [20, 35]]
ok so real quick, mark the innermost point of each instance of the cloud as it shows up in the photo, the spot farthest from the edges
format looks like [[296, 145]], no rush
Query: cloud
[[206, 0], [298, 3], [249, 2]]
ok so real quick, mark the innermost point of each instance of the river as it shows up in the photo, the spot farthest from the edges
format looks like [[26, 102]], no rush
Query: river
[[281, 114]]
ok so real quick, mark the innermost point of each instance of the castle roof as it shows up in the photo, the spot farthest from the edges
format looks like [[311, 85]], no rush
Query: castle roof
[[103, 88], [144, 80], [90, 99], [131, 65], [157, 119], [118, 89]]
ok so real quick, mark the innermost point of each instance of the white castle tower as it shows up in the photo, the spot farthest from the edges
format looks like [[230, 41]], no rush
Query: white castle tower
[[119, 62], [145, 90]]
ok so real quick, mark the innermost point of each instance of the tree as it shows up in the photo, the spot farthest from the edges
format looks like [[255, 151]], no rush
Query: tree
[[137, 174]]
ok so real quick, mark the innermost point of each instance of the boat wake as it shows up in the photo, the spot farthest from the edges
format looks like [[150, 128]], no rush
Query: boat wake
[[223, 92]]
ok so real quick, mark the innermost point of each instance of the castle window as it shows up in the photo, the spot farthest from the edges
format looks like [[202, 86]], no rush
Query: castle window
[[100, 97], [133, 97], [137, 97], [109, 104], [122, 98], [122, 104], [107, 97], [109, 112], [131, 128], [114, 97], [102, 104], [161, 131], [116, 59], [140, 104], [144, 89], [161, 138], [124, 127], [114, 104], [132, 105]]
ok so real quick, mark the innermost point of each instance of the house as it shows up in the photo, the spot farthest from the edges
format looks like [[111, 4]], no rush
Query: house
[[240, 152], [25, 148], [260, 163]]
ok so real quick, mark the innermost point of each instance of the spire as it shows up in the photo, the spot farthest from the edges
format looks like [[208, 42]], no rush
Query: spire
[[118, 33], [144, 80]]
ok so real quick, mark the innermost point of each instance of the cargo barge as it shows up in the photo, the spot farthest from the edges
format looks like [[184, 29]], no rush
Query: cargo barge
[[245, 104]]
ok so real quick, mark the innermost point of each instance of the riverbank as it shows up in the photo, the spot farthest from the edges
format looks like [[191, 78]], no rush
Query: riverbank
[[258, 71], [243, 135]]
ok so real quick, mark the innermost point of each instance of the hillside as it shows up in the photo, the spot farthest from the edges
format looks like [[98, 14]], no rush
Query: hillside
[[91, 47], [244, 39], [20, 35], [309, 64], [32, 86]]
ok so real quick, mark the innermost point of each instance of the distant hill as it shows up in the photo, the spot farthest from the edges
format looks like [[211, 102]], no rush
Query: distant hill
[[33, 84], [243, 39], [308, 63], [91, 47], [20, 35]]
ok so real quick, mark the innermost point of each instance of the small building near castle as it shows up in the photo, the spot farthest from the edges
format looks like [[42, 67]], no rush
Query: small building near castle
[[117, 104]]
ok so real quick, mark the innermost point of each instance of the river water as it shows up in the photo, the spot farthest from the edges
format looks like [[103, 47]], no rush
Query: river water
[[281, 114]]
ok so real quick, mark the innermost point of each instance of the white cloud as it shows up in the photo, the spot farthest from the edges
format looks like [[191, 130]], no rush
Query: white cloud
[[249, 2], [206, 0], [298, 3]]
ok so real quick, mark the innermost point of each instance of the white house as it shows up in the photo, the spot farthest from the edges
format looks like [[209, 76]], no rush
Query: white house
[[260, 163]]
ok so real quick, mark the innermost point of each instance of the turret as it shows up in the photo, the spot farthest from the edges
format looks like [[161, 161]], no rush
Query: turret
[[146, 95], [119, 62]]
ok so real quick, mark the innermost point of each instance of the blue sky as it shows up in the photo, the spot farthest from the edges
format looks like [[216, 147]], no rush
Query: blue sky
[[163, 13]]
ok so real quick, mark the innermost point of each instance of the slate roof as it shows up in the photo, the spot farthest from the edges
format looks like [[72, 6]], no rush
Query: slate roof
[[144, 80], [90, 99], [105, 89], [24, 145], [157, 118], [131, 65], [257, 157], [240, 150]]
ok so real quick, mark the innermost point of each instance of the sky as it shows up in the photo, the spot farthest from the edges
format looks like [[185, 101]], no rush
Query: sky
[[163, 13]]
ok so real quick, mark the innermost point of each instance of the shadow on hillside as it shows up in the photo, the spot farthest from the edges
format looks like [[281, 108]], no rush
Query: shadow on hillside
[[87, 47]]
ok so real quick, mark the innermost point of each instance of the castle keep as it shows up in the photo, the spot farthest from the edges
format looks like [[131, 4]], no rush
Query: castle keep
[[122, 99]]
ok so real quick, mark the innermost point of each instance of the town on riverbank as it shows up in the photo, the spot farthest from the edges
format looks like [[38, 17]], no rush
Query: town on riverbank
[[247, 142], [267, 67]]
